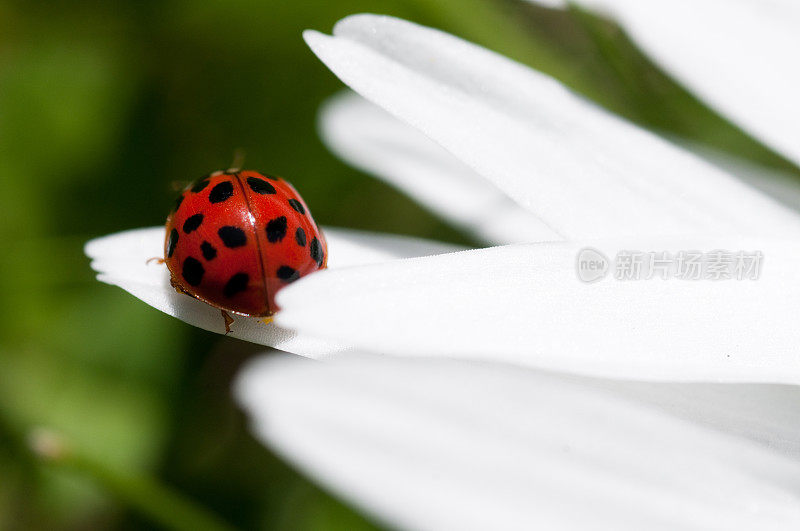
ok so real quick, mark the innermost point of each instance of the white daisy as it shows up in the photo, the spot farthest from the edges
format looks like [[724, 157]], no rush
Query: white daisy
[[569, 172], [513, 156]]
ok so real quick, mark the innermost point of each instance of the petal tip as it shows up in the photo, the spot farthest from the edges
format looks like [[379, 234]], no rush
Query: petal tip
[[314, 38], [92, 248], [358, 21]]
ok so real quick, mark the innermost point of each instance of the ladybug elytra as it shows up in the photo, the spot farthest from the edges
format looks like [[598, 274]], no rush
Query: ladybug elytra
[[235, 238]]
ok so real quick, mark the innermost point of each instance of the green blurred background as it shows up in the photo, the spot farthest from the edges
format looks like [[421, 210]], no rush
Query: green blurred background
[[104, 106]]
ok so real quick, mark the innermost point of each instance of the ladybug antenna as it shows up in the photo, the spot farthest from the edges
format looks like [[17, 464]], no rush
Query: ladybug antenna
[[238, 160]]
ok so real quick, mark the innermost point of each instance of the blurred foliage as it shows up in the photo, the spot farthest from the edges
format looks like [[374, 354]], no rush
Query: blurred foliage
[[103, 106]]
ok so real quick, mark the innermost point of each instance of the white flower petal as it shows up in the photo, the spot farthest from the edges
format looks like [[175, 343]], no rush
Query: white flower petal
[[376, 142], [524, 304], [348, 247], [121, 259], [443, 445], [740, 56], [782, 186], [583, 171], [765, 413]]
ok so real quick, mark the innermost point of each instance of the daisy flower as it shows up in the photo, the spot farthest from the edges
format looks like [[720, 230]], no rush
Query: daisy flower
[[518, 395]]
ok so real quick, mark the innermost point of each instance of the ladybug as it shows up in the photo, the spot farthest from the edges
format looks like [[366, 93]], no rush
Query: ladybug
[[234, 238]]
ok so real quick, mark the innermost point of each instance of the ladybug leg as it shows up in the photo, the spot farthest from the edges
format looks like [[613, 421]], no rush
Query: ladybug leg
[[177, 287], [228, 321], [157, 259], [267, 320]]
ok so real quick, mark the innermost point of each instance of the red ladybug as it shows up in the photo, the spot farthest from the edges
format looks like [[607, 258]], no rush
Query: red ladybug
[[235, 238]]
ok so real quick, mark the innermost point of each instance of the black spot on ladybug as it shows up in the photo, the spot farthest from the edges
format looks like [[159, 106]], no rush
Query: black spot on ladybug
[[221, 192], [209, 252], [300, 236], [193, 271], [178, 202], [287, 274], [192, 223], [276, 229], [316, 251], [200, 185], [236, 284], [297, 205], [260, 186], [172, 242], [232, 236]]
